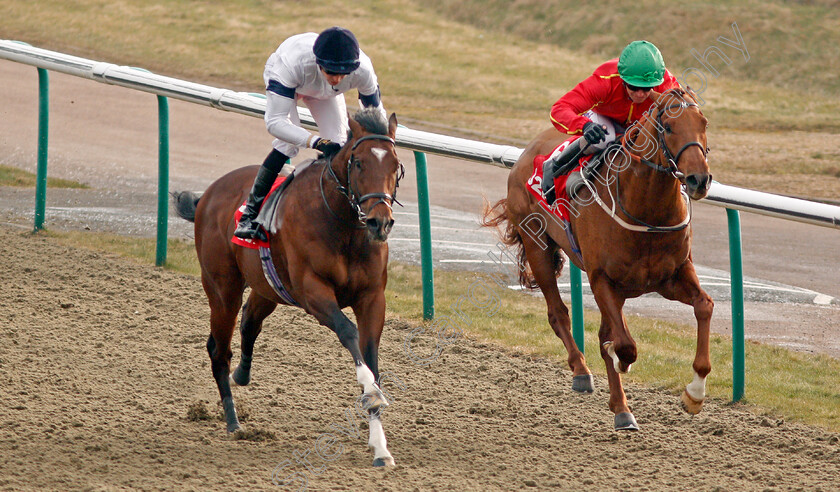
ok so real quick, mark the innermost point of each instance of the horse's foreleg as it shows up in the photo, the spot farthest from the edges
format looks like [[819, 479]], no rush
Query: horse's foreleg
[[685, 288], [322, 304], [370, 315], [256, 309], [541, 260], [618, 349]]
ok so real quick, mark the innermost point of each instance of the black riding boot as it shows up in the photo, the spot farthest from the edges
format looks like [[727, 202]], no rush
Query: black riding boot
[[561, 163], [248, 228]]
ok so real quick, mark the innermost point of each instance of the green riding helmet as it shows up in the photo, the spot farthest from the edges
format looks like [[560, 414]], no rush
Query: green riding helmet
[[641, 65]]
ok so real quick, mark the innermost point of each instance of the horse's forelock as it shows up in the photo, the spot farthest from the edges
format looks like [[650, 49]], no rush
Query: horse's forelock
[[372, 121], [671, 94]]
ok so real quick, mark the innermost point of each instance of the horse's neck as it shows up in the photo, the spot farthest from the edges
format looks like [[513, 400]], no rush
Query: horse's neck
[[337, 201], [649, 194]]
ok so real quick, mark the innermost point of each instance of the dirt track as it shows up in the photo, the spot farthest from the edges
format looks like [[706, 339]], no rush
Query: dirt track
[[103, 359]]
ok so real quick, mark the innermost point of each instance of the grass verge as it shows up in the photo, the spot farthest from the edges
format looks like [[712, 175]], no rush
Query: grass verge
[[12, 176], [779, 382]]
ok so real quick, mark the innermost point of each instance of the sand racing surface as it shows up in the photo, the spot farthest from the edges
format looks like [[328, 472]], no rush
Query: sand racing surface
[[108, 387], [108, 384]]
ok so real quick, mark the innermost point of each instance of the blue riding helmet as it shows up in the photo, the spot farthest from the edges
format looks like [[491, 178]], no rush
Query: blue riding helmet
[[337, 51]]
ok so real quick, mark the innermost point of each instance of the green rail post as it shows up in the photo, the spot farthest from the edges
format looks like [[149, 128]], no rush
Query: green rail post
[[163, 180], [425, 236], [736, 279], [43, 144], [577, 305]]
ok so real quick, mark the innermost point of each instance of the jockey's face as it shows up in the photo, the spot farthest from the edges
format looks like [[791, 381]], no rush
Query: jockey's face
[[333, 78], [637, 94]]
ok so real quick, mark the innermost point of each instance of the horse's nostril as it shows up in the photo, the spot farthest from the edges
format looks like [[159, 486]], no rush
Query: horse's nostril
[[372, 223], [691, 181]]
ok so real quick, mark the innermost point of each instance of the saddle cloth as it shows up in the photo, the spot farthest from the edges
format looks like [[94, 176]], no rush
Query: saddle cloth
[[560, 205], [254, 243]]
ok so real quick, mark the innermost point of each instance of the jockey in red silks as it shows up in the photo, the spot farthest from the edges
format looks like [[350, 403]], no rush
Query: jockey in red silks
[[614, 96]]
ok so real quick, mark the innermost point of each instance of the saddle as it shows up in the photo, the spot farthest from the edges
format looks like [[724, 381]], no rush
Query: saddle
[[566, 185], [268, 209], [578, 178]]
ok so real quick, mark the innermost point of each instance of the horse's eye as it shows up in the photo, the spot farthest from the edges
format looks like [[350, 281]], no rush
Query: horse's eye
[[357, 163], [667, 128]]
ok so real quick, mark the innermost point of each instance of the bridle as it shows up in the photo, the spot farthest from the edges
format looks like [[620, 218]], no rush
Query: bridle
[[353, 198], [672, 169], [669, 157]]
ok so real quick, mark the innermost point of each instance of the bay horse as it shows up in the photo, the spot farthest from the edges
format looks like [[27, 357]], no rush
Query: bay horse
[[631, 224], [329, 252]]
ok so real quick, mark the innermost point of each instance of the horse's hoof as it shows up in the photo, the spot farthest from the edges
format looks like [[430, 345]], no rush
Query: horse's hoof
[[690, 405], [234, 428], [625, 421], [240, 377], [374, 401], [386, 461], [582, 383]]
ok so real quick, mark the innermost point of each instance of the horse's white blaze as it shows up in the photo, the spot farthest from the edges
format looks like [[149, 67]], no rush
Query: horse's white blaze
[[379, 153], [365, 378], [697, 388], [377, 439]]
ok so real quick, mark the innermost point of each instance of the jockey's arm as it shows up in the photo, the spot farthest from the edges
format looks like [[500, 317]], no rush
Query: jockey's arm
[[567, 113], [372, 100], [278, 122]]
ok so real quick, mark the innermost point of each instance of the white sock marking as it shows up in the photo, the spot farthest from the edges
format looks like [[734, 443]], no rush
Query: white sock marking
[[697, 388], [610, 346], [377, 439], [365, 378]]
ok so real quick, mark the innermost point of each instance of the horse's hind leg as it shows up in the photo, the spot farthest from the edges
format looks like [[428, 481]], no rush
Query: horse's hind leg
[[686, 288], [541, 260], [256, 309], [225, 299]]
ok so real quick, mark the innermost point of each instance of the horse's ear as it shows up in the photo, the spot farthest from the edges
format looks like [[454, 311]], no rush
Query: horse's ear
[[654, 96], [355, 128], [392, 125], [691, 93]]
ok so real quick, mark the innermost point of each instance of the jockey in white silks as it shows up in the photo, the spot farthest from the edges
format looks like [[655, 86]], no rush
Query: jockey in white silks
[[316, 69]]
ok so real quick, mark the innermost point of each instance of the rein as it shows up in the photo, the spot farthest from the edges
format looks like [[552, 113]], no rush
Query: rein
[[353, 199], [672, 160]]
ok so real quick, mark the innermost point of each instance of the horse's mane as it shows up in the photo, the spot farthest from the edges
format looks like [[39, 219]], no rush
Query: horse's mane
[[676, 92], [372, 120]]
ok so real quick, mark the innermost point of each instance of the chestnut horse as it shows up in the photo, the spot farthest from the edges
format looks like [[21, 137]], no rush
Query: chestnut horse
[[631, 226], [329, 251]]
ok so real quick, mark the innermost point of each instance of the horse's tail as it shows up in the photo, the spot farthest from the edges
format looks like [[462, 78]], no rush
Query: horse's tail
[[185, 203], [496, 216]]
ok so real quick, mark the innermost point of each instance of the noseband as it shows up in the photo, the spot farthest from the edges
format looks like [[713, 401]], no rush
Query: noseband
[[669, 157], [353, 198]]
